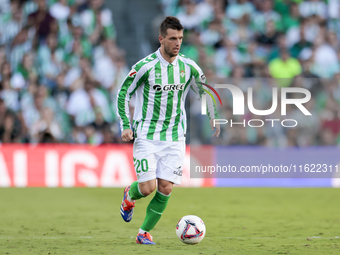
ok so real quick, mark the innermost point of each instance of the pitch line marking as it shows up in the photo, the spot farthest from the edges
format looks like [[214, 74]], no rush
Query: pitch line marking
[[220, 237]]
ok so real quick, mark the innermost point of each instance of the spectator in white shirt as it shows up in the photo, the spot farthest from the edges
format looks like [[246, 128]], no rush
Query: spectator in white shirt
[[266, 13], [9, 95], [326, 62], [109, 68], [85, 101], [190, 17], [240, 11], [313, 7], [46, 124], [226, 57], [97, 20], [51, 58], [60, 10]]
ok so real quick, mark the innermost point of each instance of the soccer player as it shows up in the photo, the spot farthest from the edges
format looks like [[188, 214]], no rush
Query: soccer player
[[160, 82]]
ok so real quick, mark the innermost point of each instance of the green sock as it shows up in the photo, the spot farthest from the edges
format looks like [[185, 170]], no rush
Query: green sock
[[154, 211], [134, 191]]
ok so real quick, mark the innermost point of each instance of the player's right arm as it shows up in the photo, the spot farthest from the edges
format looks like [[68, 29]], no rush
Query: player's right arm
[[131, 83]]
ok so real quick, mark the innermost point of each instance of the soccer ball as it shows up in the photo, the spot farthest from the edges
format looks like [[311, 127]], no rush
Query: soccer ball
[[190, 229]]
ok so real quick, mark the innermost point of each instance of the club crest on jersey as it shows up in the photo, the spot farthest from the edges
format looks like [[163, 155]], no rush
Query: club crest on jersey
[[158, 75], [169, 87], [182, 74], [132, 73]]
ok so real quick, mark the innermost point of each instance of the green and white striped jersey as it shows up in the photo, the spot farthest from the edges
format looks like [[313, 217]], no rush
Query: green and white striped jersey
[[160, 89]]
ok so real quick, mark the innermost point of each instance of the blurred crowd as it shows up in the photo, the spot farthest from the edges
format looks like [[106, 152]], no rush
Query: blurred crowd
[[59, 72], [60, 67]]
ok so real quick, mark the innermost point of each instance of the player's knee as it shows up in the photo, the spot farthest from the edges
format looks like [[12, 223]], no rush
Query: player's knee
[[147, 188], [147, 191], [165, 189]]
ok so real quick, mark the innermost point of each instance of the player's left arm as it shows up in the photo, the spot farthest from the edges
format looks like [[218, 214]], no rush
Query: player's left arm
[[198, 77]]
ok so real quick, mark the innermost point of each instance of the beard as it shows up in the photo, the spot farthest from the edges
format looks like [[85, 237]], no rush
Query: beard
[[168, 51]]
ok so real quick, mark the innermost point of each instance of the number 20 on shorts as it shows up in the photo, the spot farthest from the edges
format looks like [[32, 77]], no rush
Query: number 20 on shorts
[[141, 165]]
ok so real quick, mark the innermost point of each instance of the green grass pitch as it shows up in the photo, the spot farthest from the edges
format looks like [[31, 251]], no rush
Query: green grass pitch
[[238, 220]]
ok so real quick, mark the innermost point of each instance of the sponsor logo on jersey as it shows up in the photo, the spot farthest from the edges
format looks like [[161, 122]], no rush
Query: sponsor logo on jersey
[[132, 73], [169, 87]]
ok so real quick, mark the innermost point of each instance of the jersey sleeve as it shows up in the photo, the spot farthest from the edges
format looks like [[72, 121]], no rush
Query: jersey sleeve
[[129, 86], [198, 77]]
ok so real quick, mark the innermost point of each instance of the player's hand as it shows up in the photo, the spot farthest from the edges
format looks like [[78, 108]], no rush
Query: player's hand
[[127, 135], [216, 128]]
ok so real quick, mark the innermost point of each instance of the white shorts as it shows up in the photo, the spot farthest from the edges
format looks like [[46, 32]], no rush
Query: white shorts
[[158, 159]]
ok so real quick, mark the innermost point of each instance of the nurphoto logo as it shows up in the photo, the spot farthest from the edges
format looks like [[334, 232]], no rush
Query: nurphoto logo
[[239, 103]]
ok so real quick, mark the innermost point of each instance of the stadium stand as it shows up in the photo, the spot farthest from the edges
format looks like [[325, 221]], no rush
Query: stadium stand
[[61, 63]]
